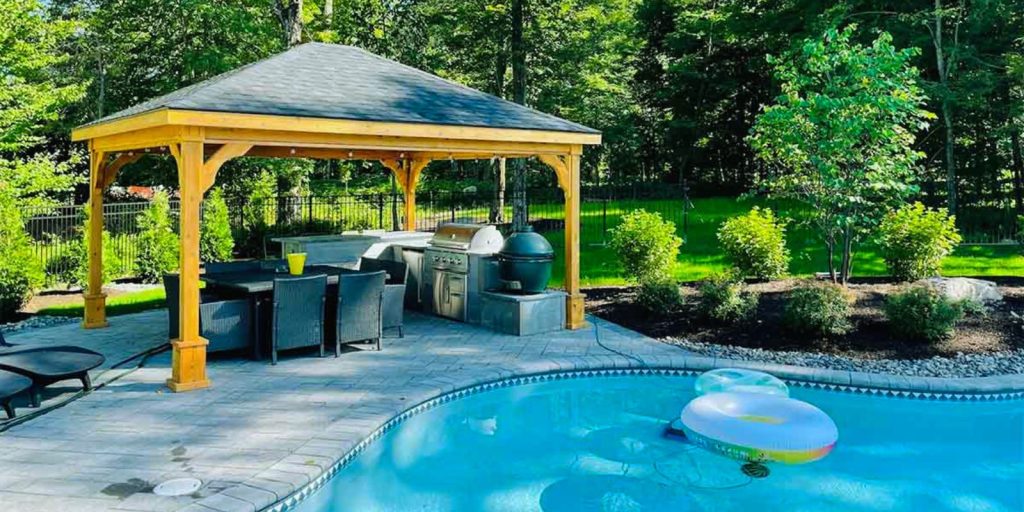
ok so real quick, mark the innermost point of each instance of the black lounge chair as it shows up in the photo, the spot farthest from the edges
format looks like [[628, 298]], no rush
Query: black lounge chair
[[47, 365], [11, 384]]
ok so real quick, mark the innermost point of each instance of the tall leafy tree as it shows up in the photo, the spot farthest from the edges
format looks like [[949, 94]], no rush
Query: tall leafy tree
[[840, 137]]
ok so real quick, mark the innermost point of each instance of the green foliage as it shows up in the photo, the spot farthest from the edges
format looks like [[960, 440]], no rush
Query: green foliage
[[841, 135], [659, 297], [723, 299], [158, 244], [914, 240], [755, 244], [647, 246], [215, 241], [818, 309], [72, 267], [921, 313], [20, 271]]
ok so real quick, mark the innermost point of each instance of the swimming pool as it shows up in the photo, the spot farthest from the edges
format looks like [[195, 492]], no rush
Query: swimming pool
[[597, 444]]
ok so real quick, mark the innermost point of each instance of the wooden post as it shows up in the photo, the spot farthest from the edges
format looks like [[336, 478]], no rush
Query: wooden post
[[188, 360], [95, 300], [567, 168], [574, 318]]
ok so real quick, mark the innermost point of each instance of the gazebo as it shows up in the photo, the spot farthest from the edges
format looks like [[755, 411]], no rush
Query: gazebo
[[317, 101]]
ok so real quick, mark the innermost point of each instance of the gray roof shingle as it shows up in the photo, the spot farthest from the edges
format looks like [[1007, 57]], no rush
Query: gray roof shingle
[[343, 82]]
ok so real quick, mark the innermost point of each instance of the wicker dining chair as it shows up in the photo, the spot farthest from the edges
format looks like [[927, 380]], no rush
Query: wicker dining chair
[[298, 317], [394, 290], [360, 300], [226, 324]]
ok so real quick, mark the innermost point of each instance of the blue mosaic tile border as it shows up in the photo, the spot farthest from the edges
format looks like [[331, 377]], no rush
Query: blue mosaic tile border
[[292, 501]]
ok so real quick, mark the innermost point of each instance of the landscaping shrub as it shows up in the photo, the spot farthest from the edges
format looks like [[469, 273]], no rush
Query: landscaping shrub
[[20, 272], [660, 297], [647, 246], [821, 309], [215, 241], [723, 299], [158, 245], [915, 239], [755, 244], [72, 267], [923, 314]]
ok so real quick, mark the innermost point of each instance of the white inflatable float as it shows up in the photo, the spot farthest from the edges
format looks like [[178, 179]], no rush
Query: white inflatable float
[[748, 416], [739, 381]]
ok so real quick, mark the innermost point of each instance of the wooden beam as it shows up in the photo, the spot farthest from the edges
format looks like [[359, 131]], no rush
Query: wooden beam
[[188, 359], [214, 162], [355, 142], [413, 169], [164, 116], [561, 167], [110, 170], [95, 314]]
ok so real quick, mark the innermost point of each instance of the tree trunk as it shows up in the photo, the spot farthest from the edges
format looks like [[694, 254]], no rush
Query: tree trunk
[[844, 272], [1017, 164], [942, 66], [289, 15], [519, 206], [328, 10], [497, 215]]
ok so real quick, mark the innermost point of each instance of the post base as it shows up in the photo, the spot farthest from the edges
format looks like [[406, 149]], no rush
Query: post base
[[574, 318], [188, 365], [95, 311]]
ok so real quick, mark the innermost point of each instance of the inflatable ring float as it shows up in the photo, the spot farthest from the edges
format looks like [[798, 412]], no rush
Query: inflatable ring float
[[739, 381], [759, 428]]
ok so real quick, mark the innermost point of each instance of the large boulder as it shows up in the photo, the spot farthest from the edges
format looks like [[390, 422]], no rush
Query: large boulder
[[985, 293]]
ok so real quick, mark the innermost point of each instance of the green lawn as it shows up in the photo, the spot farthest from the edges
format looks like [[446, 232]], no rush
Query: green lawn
[[698, 258]]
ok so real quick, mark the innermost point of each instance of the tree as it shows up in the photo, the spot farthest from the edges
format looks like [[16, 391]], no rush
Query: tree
[[158, 244], [840, 136], [215, 241]]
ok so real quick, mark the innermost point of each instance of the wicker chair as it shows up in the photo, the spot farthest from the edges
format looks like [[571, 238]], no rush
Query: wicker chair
[[226, 324], [360, 299], [298, 318], [394, 290]]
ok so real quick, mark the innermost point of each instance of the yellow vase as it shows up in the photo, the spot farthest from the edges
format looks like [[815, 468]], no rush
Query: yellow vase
[[296, 262]]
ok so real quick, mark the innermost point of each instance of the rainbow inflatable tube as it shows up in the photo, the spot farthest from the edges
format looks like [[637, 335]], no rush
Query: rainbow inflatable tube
[[757, 427], [737, 380]]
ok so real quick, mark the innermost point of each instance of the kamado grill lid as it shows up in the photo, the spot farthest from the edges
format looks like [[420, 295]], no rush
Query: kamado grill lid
[[527, 244]]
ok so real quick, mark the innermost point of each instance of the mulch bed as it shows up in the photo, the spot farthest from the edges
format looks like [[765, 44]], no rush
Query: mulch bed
[[871, 337]]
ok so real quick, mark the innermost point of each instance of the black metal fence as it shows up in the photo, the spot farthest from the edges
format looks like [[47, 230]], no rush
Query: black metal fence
[[55, 231]]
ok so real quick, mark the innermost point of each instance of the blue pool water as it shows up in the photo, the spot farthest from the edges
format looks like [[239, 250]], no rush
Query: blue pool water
[[596, 444]]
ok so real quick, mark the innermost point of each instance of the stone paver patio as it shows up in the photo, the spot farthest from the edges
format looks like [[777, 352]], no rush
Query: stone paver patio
[[260, 432]]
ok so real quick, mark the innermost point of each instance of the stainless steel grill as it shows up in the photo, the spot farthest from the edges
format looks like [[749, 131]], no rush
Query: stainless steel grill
[[457, 259]]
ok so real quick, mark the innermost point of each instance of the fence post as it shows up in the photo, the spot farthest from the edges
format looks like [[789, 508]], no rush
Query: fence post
[[380, 211]]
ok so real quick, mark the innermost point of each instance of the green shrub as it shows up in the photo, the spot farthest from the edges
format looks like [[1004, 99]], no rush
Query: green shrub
[[158, 245], [820, 309], [20, 271], [755, 244], [723, 299], [915, 239], [647, 246], [215, 241], [660, 297], [923, 314], [72, 267]]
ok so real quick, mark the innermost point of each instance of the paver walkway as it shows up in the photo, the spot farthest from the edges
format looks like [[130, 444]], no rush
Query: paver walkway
[[260, 432]]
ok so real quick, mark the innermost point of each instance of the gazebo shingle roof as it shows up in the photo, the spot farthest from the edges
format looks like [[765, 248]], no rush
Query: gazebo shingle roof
[[343, 82]]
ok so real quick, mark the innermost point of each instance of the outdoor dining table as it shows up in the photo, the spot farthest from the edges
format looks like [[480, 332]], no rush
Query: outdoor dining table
[[258, 285]]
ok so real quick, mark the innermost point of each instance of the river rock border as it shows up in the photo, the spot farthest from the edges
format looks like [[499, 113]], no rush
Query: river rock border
[[919, 388]]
